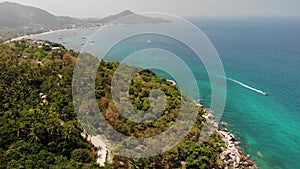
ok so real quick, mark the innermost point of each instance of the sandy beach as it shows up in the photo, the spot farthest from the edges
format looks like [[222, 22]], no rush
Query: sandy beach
[[28, 36]]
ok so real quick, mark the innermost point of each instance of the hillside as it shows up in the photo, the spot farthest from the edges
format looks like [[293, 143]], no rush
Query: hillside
[[39, 127], [13, 16], [17, 20]]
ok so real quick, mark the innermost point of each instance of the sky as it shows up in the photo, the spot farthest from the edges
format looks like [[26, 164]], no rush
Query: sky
[[100, 8]]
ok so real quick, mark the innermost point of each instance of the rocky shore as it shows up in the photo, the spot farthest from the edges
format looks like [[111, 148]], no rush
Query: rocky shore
[[232, 155]]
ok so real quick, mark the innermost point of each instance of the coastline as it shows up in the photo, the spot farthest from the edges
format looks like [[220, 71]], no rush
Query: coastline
[[250, 134], [45, 33], [27, 36], [232, 154]]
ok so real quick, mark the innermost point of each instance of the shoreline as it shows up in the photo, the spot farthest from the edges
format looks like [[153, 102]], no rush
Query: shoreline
[[46, 33], [27, 36], [58, 30], [232, 154]]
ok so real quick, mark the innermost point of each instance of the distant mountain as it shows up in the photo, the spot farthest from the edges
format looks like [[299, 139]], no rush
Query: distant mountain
[[17, 20], [128, 17], [16, 16]]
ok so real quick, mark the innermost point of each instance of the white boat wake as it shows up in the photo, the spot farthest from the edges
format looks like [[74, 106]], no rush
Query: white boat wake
[[248, 87]]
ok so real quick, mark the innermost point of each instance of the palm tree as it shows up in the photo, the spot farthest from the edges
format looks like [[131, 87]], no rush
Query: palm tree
[[33, 135]]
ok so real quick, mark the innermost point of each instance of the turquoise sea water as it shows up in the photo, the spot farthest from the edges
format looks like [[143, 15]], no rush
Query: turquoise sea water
[[265, 54], [262, 53]]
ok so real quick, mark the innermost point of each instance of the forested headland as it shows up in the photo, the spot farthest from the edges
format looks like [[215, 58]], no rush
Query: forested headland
[[39, 127]]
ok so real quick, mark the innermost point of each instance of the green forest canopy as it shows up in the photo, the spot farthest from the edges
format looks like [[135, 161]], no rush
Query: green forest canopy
[[39, 127]]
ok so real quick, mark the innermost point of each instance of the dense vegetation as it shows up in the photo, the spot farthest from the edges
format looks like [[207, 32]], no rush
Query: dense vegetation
[[39, 127]]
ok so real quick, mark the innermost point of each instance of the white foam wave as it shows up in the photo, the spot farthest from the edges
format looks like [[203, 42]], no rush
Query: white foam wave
[[248, 87]]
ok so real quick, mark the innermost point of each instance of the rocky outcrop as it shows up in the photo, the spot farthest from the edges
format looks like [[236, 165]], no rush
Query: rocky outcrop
[[232, 154]]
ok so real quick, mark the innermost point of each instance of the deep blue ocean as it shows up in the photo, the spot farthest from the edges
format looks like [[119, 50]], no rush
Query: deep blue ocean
[[263, 53]]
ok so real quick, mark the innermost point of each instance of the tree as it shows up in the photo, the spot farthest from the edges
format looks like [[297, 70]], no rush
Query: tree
[[81, 155]]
